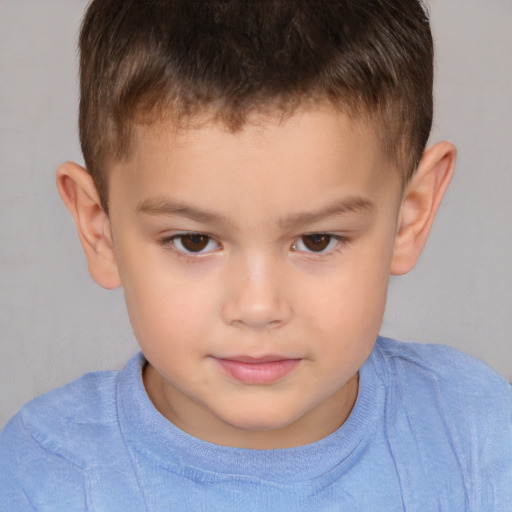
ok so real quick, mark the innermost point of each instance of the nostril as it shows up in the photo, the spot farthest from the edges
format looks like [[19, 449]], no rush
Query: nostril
[[257, 296], [246, 311]]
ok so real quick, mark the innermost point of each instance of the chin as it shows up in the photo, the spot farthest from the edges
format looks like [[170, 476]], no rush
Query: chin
[[263, 422]]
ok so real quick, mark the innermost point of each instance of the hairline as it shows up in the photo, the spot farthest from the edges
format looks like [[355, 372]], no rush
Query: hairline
[[256, 116]]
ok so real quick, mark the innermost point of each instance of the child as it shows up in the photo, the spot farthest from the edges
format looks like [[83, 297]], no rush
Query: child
[[255, 172]]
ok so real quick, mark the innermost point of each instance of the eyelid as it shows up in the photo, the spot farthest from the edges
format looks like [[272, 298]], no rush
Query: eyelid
[[169, 241], [339, 239]]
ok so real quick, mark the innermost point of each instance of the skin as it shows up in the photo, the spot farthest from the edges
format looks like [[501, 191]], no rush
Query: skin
[[256, 284]]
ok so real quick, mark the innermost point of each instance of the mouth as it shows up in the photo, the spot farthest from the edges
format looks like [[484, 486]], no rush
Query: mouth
[[257, 370]]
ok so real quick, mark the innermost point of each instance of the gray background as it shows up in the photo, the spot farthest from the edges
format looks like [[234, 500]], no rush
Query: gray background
[[56, 324]]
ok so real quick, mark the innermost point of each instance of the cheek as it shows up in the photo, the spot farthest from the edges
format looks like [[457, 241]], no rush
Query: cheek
[[347, 309], [164, 303], [161, 311], [357, 290]]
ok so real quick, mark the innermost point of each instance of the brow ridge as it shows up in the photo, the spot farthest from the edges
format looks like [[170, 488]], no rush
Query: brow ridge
[[162, 206]]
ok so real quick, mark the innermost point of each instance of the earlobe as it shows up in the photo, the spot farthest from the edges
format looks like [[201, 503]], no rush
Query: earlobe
[[420, 202], [79, 194]]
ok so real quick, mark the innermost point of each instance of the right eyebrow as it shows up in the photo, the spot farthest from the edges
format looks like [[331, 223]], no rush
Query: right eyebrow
[[162, 206]]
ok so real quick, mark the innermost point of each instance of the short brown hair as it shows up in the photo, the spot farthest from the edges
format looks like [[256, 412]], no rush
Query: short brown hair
[[144, 58]]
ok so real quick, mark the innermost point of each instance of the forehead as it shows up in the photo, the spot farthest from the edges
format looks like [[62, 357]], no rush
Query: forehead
[[311, 150]]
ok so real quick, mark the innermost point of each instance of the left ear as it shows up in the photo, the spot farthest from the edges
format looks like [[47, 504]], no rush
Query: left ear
[[420, 202]]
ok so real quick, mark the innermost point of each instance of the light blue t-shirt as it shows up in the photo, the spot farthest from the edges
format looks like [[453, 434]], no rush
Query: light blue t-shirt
[[431, 431]]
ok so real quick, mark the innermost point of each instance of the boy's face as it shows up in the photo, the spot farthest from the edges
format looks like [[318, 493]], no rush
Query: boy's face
[[255, 267]]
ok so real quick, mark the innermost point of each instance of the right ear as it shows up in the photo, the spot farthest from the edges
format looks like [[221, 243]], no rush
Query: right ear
[[77, 190]]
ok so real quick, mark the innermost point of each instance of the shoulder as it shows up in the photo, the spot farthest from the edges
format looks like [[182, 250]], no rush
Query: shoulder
[[455, 411], [439, 360], [442, 390], [61, 422], [61, 441], [64, 420], [446, 384], [459, 378], [45, 447], [58, 440]]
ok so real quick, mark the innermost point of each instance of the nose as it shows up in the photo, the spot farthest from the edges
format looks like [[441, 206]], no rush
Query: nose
[[257, 295]]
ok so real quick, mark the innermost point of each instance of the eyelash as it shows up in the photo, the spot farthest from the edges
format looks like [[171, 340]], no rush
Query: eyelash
[[170, 242], [339, 242]]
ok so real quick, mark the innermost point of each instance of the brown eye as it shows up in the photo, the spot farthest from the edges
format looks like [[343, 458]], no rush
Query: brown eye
[[317, 242], [193, 242]]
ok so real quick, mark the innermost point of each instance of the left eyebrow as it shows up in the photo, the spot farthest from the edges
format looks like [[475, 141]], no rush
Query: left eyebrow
[[341, 207]]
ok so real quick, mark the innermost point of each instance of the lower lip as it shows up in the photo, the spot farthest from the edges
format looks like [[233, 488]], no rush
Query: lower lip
[[258, 373]]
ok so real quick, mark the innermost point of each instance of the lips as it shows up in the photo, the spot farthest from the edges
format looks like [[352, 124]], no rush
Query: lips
[[259, 370]]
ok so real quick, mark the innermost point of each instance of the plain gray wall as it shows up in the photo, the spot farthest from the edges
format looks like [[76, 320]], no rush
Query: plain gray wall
[[56, 324]]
